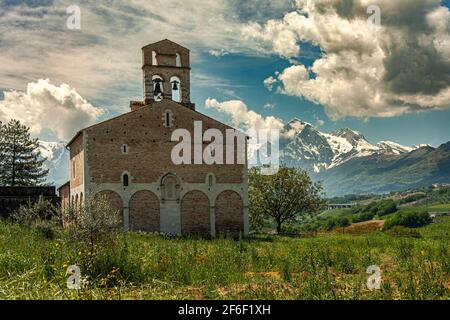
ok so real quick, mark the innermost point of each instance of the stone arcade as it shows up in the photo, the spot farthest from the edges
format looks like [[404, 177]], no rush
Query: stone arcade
[[128, 160]]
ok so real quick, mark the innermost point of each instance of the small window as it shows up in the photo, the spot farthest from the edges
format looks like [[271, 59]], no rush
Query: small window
[[178, 60], [168, 119], [154, 60], [210, 180], [125, 181], [125, 149]]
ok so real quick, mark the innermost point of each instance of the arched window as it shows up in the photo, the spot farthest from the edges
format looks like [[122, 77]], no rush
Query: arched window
[[176, 89], [178, 60], [154, 60], [125, 180], [158, 88]]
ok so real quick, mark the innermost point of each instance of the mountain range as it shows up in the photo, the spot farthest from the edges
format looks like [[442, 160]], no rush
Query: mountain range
[[347, 163], [344, 160]]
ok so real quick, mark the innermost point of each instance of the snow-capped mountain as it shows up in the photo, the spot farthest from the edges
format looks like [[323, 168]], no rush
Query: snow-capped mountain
[[305, 147], [57, 161]]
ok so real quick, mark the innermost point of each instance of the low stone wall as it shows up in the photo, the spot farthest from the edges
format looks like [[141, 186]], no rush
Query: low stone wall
[[11, 198]]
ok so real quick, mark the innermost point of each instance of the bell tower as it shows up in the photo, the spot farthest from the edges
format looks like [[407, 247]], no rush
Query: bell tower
[[166, 70]]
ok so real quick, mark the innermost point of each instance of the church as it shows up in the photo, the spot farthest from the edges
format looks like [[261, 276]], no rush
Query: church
[[128, 160]]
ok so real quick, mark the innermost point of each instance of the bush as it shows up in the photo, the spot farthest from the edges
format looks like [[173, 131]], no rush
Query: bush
[[42, 215], [380, 208], [400, 231], [94, 227], [386, 207], [94, 223], [408, 219], [362, 217], [413, 198]]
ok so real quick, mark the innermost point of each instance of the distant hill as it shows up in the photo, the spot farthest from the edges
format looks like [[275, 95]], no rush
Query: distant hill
[[382, 173], [347, 163]]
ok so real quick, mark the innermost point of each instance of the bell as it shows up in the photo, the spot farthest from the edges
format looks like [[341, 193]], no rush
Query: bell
[[175, 86], [157, 90]]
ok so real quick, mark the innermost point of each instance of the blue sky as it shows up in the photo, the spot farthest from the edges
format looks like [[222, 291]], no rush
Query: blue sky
[[235, 46], [244, 76]]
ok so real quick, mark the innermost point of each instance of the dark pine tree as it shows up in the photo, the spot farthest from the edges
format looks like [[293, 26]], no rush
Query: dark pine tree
[[21, 163]]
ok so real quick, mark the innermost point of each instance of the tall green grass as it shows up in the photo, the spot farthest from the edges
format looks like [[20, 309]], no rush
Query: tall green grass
[[144, 266]]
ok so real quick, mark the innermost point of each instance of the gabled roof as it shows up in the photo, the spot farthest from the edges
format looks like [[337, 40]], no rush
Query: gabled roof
[[65, 184], [165, 40]]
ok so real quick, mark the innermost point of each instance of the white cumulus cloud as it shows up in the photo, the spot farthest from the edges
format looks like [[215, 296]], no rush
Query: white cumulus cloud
[[47, 107], [365, 70], [242, 117]]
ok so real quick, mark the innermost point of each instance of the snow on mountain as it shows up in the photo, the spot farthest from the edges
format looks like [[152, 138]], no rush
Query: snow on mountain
[[305, 147], [393, 147], [57, 161]]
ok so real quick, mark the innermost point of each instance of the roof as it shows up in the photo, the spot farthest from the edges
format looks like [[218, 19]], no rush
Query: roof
[[65, 184], [165, 40]]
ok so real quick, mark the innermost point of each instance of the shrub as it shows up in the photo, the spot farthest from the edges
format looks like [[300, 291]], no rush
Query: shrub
[[413, 198], [386, 207], [408, 219], [41, 215], [362, 217], [94, 223], [400, 231], [329, 224]]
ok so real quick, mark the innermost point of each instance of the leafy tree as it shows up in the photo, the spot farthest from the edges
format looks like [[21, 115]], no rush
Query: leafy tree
[[21, 163], [285, 196], [343, 222], [408, 219], [93, 224]]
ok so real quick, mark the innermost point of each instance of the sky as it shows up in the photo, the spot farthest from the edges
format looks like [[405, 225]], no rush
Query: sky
[[254, 63]]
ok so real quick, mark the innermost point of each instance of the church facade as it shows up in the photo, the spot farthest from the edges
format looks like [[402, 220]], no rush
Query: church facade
[[128, 159]]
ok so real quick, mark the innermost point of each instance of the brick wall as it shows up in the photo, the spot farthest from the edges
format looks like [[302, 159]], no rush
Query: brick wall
[[149, 155], [144, 212], [77, 159], [229, 218], [195, 214]]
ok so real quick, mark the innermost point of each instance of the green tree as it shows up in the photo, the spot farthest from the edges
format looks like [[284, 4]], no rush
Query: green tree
[[343, 222], [285, 196], [21, 163]]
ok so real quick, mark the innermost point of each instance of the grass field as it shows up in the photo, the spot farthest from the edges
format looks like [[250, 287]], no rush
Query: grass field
[[329, 266]]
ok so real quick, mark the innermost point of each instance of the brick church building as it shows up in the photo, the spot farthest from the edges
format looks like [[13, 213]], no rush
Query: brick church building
[[128, 160]]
